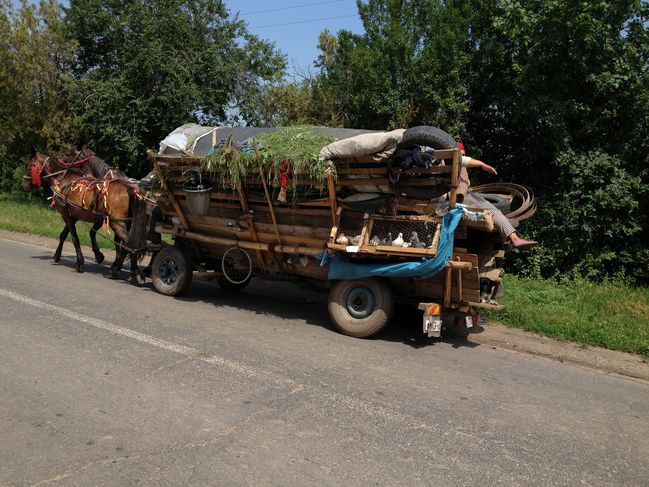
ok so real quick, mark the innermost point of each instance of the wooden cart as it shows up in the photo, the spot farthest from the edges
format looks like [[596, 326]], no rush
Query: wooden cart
[[232, 236]]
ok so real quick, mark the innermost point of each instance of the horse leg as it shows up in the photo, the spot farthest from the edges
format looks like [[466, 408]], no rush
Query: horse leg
[[99, 257], [78, 266], [56, 258], [138, 276], [120, 237]]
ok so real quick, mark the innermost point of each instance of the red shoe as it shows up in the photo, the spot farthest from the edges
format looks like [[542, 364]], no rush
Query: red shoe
[[521, 243]]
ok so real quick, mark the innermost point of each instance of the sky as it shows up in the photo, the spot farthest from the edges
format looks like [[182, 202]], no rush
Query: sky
[[294, 25]]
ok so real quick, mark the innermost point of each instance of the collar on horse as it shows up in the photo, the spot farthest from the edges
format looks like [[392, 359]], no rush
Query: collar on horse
[[75, 162]]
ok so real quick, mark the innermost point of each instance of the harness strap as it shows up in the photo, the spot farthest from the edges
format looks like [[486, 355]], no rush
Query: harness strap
[[75, 163]]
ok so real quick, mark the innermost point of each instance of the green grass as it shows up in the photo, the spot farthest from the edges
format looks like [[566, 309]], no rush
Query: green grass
[[21, 213], [607, 315]]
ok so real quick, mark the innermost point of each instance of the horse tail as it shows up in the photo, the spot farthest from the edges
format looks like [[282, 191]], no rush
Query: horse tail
[[138, 230]]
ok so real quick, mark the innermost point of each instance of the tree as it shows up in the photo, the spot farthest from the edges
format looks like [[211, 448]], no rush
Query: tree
[[146, 67], [559, 100], [405, 69], [35, 60]]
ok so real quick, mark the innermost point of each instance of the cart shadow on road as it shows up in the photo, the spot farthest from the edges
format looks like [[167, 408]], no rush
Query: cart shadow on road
[[290, 301], [286, 300]]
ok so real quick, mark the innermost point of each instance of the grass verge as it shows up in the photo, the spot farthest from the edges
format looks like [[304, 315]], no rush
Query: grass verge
[[22, 213], [609, 315], [606, 315]]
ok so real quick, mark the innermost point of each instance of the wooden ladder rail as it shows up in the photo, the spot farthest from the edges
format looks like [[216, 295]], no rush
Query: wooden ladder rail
[[262, 175], [243, 201]]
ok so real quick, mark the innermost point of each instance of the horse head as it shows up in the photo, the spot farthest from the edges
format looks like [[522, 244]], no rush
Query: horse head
[[34, 169]]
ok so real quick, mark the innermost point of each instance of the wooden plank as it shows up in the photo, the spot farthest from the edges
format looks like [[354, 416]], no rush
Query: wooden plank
[[406, 251], [331, 187], [386, 182], [172, 198], [454, 174], [296, 230], [435, 170]]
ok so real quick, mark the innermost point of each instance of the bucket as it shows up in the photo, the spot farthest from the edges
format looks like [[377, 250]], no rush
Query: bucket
[[198, 200]]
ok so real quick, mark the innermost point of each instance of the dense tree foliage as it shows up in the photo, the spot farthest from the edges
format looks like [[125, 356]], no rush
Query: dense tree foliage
[[405, 69], [553, 93], [145, 67], [119, 75], [559, 95], [35, 81]]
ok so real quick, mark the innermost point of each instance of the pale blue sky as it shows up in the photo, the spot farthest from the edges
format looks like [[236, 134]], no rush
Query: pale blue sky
[[302, 21]]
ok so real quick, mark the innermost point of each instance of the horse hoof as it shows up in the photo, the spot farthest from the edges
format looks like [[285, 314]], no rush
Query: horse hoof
[[78, 268], [54, 261], [99, 258], [140, 280], [111, 275]]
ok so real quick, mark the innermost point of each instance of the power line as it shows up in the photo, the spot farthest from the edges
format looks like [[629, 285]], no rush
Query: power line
[[289, 8], [303, 21]]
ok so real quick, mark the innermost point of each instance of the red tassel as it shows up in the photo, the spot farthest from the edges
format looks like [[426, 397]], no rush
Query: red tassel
[[36, 176]]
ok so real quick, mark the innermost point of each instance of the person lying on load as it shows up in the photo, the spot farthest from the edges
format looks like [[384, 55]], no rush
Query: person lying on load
[[501, 222]]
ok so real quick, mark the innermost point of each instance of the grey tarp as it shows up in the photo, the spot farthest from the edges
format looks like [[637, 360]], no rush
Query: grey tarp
[[200, 140]]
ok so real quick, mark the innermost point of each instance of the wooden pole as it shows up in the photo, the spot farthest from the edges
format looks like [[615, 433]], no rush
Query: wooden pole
[[266, 192], [454, 175], [284, 249], [331, 187], [243, 200], [181, 214], [448, 284]]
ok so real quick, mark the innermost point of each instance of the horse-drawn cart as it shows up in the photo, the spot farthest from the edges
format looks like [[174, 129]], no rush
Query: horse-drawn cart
[[366, 248]]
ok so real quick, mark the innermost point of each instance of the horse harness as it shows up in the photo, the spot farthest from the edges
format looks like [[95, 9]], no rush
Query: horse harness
[[60, 195]]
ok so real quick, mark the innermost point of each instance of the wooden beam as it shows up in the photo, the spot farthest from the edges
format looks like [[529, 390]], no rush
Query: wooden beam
[[331, 187], [179, 211], [266, 192]]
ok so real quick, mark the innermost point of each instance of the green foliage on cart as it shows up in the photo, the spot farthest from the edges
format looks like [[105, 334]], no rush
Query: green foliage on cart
[[293, 149]]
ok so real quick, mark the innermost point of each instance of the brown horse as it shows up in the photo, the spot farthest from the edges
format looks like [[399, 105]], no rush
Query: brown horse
[[80, 197]]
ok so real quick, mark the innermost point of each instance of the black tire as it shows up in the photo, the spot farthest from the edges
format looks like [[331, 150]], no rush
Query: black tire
[[360, 308], [171, 271], [428, 136], [230, 286]]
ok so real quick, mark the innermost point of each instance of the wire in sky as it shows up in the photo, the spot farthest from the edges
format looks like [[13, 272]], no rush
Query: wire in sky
[[303, 21], [289, 8]]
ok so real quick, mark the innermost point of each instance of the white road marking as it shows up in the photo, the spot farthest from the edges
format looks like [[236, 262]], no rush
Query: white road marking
[[156, 342], [319, 393]]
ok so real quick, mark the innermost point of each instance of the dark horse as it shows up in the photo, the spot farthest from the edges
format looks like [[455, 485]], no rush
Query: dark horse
[[87, 162], [81, 197]]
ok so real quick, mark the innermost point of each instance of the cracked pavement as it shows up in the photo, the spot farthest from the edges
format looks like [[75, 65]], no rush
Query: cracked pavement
[[104, 383]]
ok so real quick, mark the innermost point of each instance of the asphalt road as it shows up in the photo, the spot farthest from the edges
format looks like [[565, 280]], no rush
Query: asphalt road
[[105, 383]]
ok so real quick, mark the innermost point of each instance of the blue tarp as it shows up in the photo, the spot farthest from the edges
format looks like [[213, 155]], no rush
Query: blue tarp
[[342, 268]]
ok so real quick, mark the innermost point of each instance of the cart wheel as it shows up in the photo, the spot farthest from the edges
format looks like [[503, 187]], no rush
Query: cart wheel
[[237, 268], [172, 271], [360, 308]]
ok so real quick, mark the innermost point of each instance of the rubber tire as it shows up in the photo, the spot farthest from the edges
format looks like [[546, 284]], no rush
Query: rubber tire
[[361, 327], [184, 274], [428, 136], [229, 286]]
